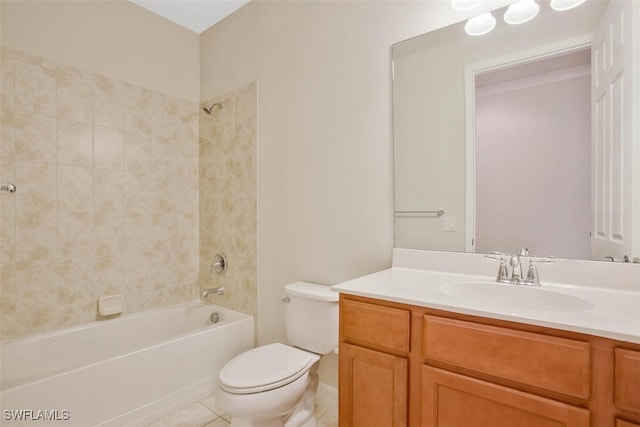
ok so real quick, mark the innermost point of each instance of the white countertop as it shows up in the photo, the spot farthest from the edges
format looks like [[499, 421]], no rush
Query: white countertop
[[609, 313]]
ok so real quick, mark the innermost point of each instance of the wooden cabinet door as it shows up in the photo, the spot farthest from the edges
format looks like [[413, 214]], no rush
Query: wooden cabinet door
[[627, 379], [373, 388], [455, 400]]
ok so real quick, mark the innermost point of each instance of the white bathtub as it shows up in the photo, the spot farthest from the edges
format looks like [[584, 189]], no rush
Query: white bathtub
[[125, 371]]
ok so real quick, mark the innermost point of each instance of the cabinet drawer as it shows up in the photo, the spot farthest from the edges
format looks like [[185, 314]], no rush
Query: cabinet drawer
[[555, 364], [450, 399], [627, 379], [375, 325]]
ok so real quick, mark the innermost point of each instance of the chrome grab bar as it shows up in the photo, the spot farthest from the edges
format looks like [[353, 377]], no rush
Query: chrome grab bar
[[437, 213]]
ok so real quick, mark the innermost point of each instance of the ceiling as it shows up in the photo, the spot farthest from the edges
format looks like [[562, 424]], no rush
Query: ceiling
[[195, 15]]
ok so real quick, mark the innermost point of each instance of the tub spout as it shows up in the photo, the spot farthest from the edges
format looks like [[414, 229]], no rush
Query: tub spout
[[219, 291]]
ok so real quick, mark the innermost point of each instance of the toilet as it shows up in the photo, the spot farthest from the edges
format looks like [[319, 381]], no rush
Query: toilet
[[275, 385]]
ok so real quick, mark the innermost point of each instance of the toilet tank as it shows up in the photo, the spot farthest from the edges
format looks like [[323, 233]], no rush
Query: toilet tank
[[311, 317]]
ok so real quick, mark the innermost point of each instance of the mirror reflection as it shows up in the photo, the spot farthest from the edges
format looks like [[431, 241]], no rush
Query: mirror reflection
[[520, 138]]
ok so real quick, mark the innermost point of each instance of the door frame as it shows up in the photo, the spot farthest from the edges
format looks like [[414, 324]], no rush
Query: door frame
[[470, 71]]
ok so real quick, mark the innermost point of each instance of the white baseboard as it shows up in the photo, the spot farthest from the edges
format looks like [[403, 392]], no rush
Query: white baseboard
[[327, 397]]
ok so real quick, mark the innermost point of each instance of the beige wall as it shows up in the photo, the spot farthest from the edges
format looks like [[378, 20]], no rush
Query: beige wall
[[116, 39]]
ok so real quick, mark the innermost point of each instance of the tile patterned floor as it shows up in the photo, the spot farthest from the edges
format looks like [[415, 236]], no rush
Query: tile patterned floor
[[205, 414]]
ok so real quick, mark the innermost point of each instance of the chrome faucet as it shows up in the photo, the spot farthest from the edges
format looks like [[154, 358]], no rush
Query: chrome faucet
[[206, 292], [516, 278], [516, 269]]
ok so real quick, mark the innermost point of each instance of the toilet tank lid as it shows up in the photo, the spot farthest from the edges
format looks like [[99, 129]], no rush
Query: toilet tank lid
[[312, 291]]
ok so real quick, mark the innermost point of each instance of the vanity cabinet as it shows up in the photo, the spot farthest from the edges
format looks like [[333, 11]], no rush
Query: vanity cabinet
[[410, 365]]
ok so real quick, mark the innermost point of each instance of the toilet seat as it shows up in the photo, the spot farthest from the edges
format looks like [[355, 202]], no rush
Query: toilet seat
[[265, 368]]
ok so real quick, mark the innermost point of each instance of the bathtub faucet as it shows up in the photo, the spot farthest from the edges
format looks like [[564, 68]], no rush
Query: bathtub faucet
[[219, 291]]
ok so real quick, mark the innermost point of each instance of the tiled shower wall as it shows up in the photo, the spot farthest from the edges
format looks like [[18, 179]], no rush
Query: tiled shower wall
[[228, 198], [107, 200]]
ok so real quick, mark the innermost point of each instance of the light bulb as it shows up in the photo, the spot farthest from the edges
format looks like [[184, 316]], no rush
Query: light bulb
[[480, 25], [561, 5], [465, 4], [521, 12]]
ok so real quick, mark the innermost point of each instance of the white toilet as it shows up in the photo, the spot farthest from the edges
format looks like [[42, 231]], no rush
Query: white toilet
[[276, 384]]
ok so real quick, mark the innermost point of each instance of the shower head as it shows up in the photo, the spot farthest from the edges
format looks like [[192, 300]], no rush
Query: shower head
[[210, 108]]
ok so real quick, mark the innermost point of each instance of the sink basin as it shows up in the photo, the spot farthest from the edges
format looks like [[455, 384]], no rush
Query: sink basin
[[516, 296]]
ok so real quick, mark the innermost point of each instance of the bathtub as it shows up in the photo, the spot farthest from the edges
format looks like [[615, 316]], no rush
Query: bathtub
[[125, 371]]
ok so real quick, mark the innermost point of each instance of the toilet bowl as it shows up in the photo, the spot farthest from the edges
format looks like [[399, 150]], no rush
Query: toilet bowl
[[275, 385], [266, 383]]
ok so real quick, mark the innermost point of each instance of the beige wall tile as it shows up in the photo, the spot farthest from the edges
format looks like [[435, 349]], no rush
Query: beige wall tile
[[34, 88], [75, 95], [108, 148], [164, 155], [37, 237], [75, 189], [75, 234], [137, 152], [8, 289], [8, 230], [35, 137], [139, 231], [187, 248], [108, 191], [36, 216], [138, 113], [138, 192], [109, 237], [96, 213], [165, 190], [7, 76], [7, 139], [38, 186], [111, 275], [75, 143], [227, 198], [108, 102]]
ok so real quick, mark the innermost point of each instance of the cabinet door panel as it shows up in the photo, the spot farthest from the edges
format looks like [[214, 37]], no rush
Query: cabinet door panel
[[373, 388], [627, 379], [454, 400]]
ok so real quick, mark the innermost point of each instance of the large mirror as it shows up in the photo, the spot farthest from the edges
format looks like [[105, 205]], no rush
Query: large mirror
[[522, 137]]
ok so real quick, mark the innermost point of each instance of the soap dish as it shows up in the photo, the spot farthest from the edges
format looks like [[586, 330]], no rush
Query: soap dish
[[110, 305]]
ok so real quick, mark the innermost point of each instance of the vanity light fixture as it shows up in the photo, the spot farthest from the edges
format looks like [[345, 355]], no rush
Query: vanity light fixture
[[521, 12], [480, 25], [465, 4], [561, 5]]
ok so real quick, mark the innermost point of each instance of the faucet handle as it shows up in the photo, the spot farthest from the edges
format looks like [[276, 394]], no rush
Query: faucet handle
[[532, 274], [550, 259], [498, 255], [503, 273]]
